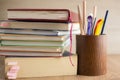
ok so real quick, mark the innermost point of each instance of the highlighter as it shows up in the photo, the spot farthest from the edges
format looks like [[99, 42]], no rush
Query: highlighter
[[98, 27]]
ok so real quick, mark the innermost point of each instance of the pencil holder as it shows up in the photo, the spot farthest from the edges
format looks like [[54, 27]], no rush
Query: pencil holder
[[92, 54]]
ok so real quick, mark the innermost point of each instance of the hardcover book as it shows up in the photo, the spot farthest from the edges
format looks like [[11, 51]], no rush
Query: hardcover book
[[30, 53], [37, 32], [40, 25], [44, 15], [43, 66], [34, 43], [32, 48], [18, 37]]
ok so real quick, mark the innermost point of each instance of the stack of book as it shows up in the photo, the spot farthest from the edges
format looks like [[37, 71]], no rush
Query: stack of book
[[48, 37], [33, 33]]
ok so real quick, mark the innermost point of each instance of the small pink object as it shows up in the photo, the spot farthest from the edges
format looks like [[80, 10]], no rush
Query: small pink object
[[14, 68], [4, 24]]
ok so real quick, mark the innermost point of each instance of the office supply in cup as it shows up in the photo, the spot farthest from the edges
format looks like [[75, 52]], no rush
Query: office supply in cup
[[80, 21], [94, 16], [98, 27], [104, 22], [84, 15], [94, 12], [89, 28], [91, 47]]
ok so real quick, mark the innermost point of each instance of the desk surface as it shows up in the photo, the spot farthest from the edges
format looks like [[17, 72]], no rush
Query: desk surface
[[112, 74]]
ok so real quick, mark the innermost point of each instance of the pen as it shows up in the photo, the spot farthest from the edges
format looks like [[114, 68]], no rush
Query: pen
[[104, 22], [89, 28]]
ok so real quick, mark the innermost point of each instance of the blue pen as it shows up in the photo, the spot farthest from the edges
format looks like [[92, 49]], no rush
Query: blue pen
[[89, 28]]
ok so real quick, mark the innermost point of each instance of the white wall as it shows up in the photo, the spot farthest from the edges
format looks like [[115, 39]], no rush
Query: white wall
[[112, 27]]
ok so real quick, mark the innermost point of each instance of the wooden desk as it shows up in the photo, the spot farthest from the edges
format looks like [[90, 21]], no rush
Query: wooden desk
[[112, 74]]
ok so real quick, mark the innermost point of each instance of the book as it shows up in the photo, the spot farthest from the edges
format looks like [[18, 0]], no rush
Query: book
[[34, 43], [40, 25], [43, 66], [32, 37], [32, 48], [45, 15], [37, 32], [30, 53]]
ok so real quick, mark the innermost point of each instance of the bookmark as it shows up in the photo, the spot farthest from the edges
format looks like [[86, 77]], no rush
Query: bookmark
[[2, 67]]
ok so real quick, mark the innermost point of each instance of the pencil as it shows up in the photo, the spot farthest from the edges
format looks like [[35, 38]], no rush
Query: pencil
[[94, 17], [105, 18], [84, 15], [94, 11], [80, 21]]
